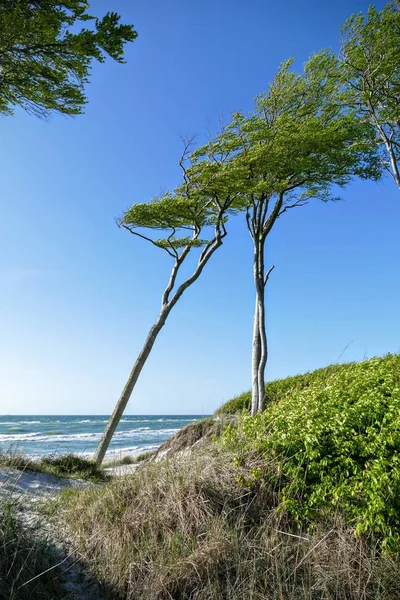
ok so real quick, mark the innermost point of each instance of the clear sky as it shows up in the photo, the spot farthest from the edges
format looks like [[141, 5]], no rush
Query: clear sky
[[77, 295]]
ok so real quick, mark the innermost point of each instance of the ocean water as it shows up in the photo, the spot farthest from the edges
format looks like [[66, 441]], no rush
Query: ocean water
[[43, 435]]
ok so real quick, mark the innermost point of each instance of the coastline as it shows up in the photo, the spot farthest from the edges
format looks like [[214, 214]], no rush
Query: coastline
[[39, 435]]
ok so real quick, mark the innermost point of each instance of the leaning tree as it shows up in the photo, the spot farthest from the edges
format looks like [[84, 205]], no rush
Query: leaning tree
[[369, 68], [47, 48], [299, 142], [192, 223]]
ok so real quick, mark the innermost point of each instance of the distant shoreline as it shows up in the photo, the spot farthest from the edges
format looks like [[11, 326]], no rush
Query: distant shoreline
[[40, 435]]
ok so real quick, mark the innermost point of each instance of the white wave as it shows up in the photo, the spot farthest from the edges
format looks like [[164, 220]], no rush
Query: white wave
[[141, 432], [16, 423], [124, 450], [17, 437], [135, 421]]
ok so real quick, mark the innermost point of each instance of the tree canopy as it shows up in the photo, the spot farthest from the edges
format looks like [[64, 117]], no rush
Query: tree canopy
[[300, 138], [369, 66], [200, 205], [46, 52], [300, 143]]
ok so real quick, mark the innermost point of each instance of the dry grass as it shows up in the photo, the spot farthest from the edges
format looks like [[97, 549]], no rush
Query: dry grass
[[26, 562], [200, 432], [186, 528]]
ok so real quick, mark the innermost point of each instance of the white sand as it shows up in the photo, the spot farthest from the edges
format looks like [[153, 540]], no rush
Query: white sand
[[17, 482], [121, 470]]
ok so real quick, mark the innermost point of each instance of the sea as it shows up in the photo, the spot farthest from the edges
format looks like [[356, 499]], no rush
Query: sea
[[40, 435]]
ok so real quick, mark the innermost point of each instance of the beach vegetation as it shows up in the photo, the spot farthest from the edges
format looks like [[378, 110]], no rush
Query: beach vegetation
[[69, 466], [299, 501]]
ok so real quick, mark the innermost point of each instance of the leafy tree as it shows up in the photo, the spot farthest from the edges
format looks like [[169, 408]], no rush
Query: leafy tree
[[192, 217], [369, 64], [297, 145], [46, 53]]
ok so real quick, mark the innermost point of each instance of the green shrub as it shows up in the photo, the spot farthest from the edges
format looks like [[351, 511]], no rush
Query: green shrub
[[236, 405], [275, 390], [337, 444]]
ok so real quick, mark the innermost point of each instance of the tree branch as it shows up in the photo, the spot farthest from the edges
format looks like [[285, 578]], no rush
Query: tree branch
[[148, 239], [268, 273], [273, 216]]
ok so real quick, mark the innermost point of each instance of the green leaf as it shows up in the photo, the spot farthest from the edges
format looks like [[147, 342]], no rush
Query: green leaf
[[46, 55]]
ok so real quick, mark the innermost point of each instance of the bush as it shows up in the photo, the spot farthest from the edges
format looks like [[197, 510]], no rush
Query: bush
[[278, 389], [336, 441]]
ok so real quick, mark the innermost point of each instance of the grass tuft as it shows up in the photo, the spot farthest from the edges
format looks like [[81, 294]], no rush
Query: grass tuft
[[64, 465]]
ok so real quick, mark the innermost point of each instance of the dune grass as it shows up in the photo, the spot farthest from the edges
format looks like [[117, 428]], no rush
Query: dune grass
[[69, 466], [189, 528]]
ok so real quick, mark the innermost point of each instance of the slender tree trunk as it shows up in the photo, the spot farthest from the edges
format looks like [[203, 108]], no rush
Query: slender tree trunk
[[167, 305], [259, 224], [256, 352], [388, 145], [130, 384], [260, 295], [392, 156], [264, 348], [394, 164], [259, 355]]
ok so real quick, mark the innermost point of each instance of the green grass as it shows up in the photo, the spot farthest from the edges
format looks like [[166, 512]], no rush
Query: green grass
[[64, 465]]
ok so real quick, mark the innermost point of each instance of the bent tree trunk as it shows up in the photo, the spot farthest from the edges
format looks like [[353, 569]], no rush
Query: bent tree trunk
[[167, 305], [130, 384]]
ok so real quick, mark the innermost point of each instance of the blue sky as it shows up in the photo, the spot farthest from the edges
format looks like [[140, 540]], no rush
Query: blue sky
[[77, 295]]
